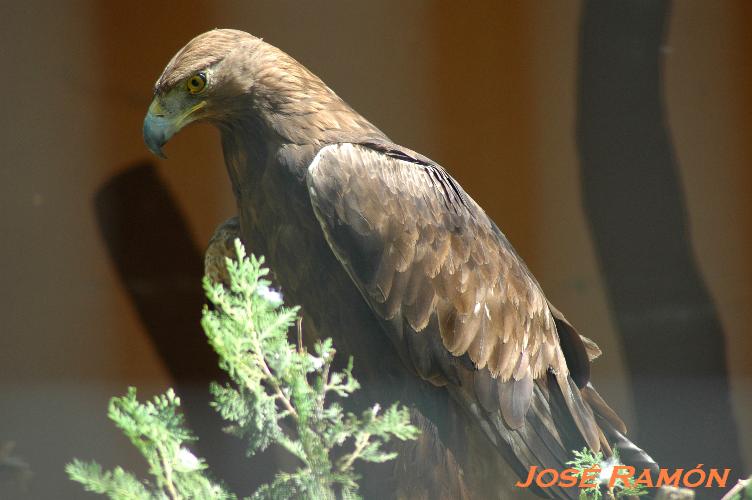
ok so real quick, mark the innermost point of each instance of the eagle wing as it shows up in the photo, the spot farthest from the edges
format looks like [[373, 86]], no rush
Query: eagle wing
[[429, 261]]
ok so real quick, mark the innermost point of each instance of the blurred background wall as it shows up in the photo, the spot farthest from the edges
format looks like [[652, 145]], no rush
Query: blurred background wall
[[486, 90]]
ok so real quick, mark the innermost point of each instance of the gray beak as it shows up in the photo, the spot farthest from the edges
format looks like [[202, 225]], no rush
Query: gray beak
[[157, 131], [165, 118]]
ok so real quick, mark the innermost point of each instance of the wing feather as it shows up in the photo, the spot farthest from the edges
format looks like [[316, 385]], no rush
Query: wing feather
[[436, 254]]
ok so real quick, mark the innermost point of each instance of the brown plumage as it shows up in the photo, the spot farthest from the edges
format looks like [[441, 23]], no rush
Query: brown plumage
[[387, 254]]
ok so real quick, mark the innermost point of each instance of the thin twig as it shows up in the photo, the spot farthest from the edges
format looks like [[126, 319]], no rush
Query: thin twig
[[738, 487], [361, 443], [275, 384], [300, 333], [168, 474], [258, 352]]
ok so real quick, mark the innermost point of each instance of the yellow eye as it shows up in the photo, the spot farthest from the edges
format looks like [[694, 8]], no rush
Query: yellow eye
[[196, 83]]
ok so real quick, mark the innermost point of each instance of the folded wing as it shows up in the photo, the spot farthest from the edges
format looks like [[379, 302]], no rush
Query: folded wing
[[432, 265]]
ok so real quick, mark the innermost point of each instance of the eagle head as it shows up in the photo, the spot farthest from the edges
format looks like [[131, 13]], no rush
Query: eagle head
[[207, 80]]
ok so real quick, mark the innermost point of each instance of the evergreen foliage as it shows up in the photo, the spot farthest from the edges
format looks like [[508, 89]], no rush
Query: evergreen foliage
[[587, 460], [279, 393]]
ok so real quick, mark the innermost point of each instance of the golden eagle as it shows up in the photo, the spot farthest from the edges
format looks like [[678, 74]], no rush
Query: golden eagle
[[389, 255]]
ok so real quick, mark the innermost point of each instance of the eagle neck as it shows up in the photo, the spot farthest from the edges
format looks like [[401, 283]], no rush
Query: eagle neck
[[246, 153]]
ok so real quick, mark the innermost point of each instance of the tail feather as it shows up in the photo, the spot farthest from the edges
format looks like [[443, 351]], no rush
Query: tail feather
[[580, 411], [630, 453], [552, 428], [601, 408]]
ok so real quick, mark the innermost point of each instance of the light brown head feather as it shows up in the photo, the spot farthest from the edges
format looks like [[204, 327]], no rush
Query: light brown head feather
[[250, 81], [203, 51]]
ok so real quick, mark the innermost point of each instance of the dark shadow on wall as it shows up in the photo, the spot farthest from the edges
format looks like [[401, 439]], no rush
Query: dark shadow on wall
[[161, 269], [670, 329]]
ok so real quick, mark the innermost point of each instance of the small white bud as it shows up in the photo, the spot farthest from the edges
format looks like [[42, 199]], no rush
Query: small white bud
[[187, 460], [270, 295], [607, 469], [317, 362]]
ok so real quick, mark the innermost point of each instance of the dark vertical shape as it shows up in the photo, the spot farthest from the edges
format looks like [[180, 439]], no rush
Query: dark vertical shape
[[159, 266], [671, 333], [161, 269]]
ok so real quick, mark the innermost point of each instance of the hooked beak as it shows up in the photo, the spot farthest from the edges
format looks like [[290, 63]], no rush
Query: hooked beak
[[160, 124]]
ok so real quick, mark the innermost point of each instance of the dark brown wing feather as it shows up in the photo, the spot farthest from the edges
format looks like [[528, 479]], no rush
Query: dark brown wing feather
[[438, 253], [423, 253]]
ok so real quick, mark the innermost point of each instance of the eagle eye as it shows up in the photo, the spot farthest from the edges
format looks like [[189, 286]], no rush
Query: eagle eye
[[196, 83]]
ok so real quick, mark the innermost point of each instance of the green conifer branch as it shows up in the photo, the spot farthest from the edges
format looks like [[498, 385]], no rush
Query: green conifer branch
[[587, 460], [279, 393]]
